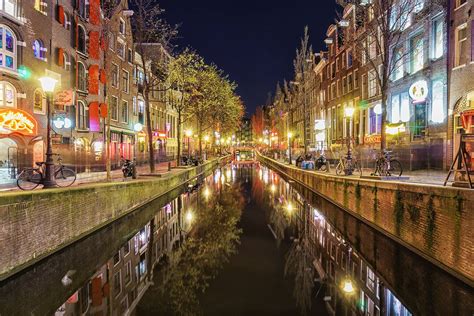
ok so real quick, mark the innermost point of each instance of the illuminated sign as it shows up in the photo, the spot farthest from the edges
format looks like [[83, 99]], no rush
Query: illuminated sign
[[419, 91], [395, 129], [372, 139], [17, 121]]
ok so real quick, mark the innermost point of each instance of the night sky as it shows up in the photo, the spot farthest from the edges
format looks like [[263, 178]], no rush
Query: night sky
[[253, 41]]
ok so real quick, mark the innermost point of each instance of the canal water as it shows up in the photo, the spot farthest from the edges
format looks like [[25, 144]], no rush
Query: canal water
[[240, 241]]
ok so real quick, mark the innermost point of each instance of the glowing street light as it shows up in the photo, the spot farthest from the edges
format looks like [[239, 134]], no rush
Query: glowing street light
[[273, 188], [189, 216], [347, 287], [48, 84]]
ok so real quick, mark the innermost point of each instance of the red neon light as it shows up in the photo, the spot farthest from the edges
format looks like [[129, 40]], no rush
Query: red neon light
[[17, 121]]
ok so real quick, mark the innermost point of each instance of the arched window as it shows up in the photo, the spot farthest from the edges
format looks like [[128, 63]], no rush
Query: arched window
[[7, 95], [81, 77], [67, 22], [82, 116], [7, 48], [67, 62], [39, 105], [39, 50], [81, 39]]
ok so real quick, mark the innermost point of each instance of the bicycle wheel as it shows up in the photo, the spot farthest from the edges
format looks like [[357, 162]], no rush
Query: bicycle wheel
[[340, 169], [357, 169], [65, 177], [395, 168], [28, 179]]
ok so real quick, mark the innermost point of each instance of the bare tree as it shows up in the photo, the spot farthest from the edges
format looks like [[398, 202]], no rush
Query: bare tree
[[376, 33], [152, 36]]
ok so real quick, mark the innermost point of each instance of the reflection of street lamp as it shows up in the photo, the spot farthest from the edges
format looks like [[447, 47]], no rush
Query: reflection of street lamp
[[48, 84], [290, 134], [189, 133]]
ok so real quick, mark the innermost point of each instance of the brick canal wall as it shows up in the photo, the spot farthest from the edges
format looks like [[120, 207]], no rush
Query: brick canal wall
[[35, 224], [435, 222]]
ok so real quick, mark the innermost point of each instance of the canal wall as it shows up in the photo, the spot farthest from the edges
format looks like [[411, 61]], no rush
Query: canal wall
[[35, 224], [433, 221]]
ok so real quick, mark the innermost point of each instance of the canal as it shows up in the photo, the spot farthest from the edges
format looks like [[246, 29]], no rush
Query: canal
[[240, 241]]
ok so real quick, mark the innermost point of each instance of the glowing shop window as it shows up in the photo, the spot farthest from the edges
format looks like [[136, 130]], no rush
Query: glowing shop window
[[437, 111]]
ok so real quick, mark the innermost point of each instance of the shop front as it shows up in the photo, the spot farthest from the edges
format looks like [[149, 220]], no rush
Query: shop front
[[20, 145], [160, 142], [122, 144]]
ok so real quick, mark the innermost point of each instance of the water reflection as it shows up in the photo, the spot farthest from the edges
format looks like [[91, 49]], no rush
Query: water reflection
[[353, 268]]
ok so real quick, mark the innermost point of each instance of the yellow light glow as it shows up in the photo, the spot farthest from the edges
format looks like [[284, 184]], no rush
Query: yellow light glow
[[273, 188], [290, 134], [48, 84], [347, 287], [206, 192], [206, 138], [189, 133], [394, 130], [349, 111], [289, 208], [189, 216]]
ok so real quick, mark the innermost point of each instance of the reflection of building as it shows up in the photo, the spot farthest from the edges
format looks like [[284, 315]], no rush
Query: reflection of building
[[244, 134], [118, 285]]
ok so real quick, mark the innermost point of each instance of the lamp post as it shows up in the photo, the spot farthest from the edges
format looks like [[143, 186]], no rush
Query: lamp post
[[48, 84], [189, 133], [289, 145], [349, 113]]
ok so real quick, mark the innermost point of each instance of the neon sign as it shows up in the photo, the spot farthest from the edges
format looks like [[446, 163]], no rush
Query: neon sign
[[419, 91], [16, 121]]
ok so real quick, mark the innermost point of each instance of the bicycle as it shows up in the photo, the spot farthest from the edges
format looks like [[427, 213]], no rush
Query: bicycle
[[386, 166], [30, 178], [347, 166]]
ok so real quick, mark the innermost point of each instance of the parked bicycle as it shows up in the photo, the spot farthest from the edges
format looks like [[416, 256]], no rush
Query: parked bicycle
[[30, 178], [385, 166], [348, 166]]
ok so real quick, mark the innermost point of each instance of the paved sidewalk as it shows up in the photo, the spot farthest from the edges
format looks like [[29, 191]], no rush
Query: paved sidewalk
[[433, 177], [101, 176]]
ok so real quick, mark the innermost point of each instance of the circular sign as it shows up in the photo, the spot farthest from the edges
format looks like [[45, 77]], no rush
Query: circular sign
[[419, 91]]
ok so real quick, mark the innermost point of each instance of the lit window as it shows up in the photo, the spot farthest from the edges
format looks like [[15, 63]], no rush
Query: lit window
[[372, 83], [375, 120], [81, 77], [7, 95], [461, 46], [405, 107], [417, 58], [397, 64], [395, 109], [82, 116], [419, 5], [437, 111], [121, 49], [7, 48], [438, 38], [39, 104], [39, 50], [10, 7], [67, 62], [83, 8], [41, 6]]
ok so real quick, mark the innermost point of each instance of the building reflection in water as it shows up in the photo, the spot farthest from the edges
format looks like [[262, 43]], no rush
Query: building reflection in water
[[349, 283]]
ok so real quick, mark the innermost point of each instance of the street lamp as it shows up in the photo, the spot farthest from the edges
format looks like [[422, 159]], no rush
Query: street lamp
[[290, 134], [189, 133], [349, 113], [48, 84]]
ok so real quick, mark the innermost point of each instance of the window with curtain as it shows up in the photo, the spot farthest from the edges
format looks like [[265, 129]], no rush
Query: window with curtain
[[375, 121], [438, 113], [10, 7], [438, 39], [8, 51], [7, 95], [400, 108], [416, 53]]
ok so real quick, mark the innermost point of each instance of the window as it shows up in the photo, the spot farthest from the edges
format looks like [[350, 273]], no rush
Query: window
[[39, 51], [67, 22], [349, 82], [349, 58], [81, 39], [420, 120], [438, 38], [111, 41], [114, 108], [116, 258], [125, 81], [356, 79], [67, 62], [122, 27], [41, 6], [375, 120], [39, 102], [371, 41], [7, 95], [115, 76], [7, 48], [128, 272], [460, 2], [370, 279], [124, 111], [419, 5], [130, 56], [117, 283], [134, 106], [416, 46], [82, 116], [372, 83], [121, 49], [344, 83], [460, 53], [10, 7], [437, 111], [400, 108], [81, 77], [397, 64], [83, 8]]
